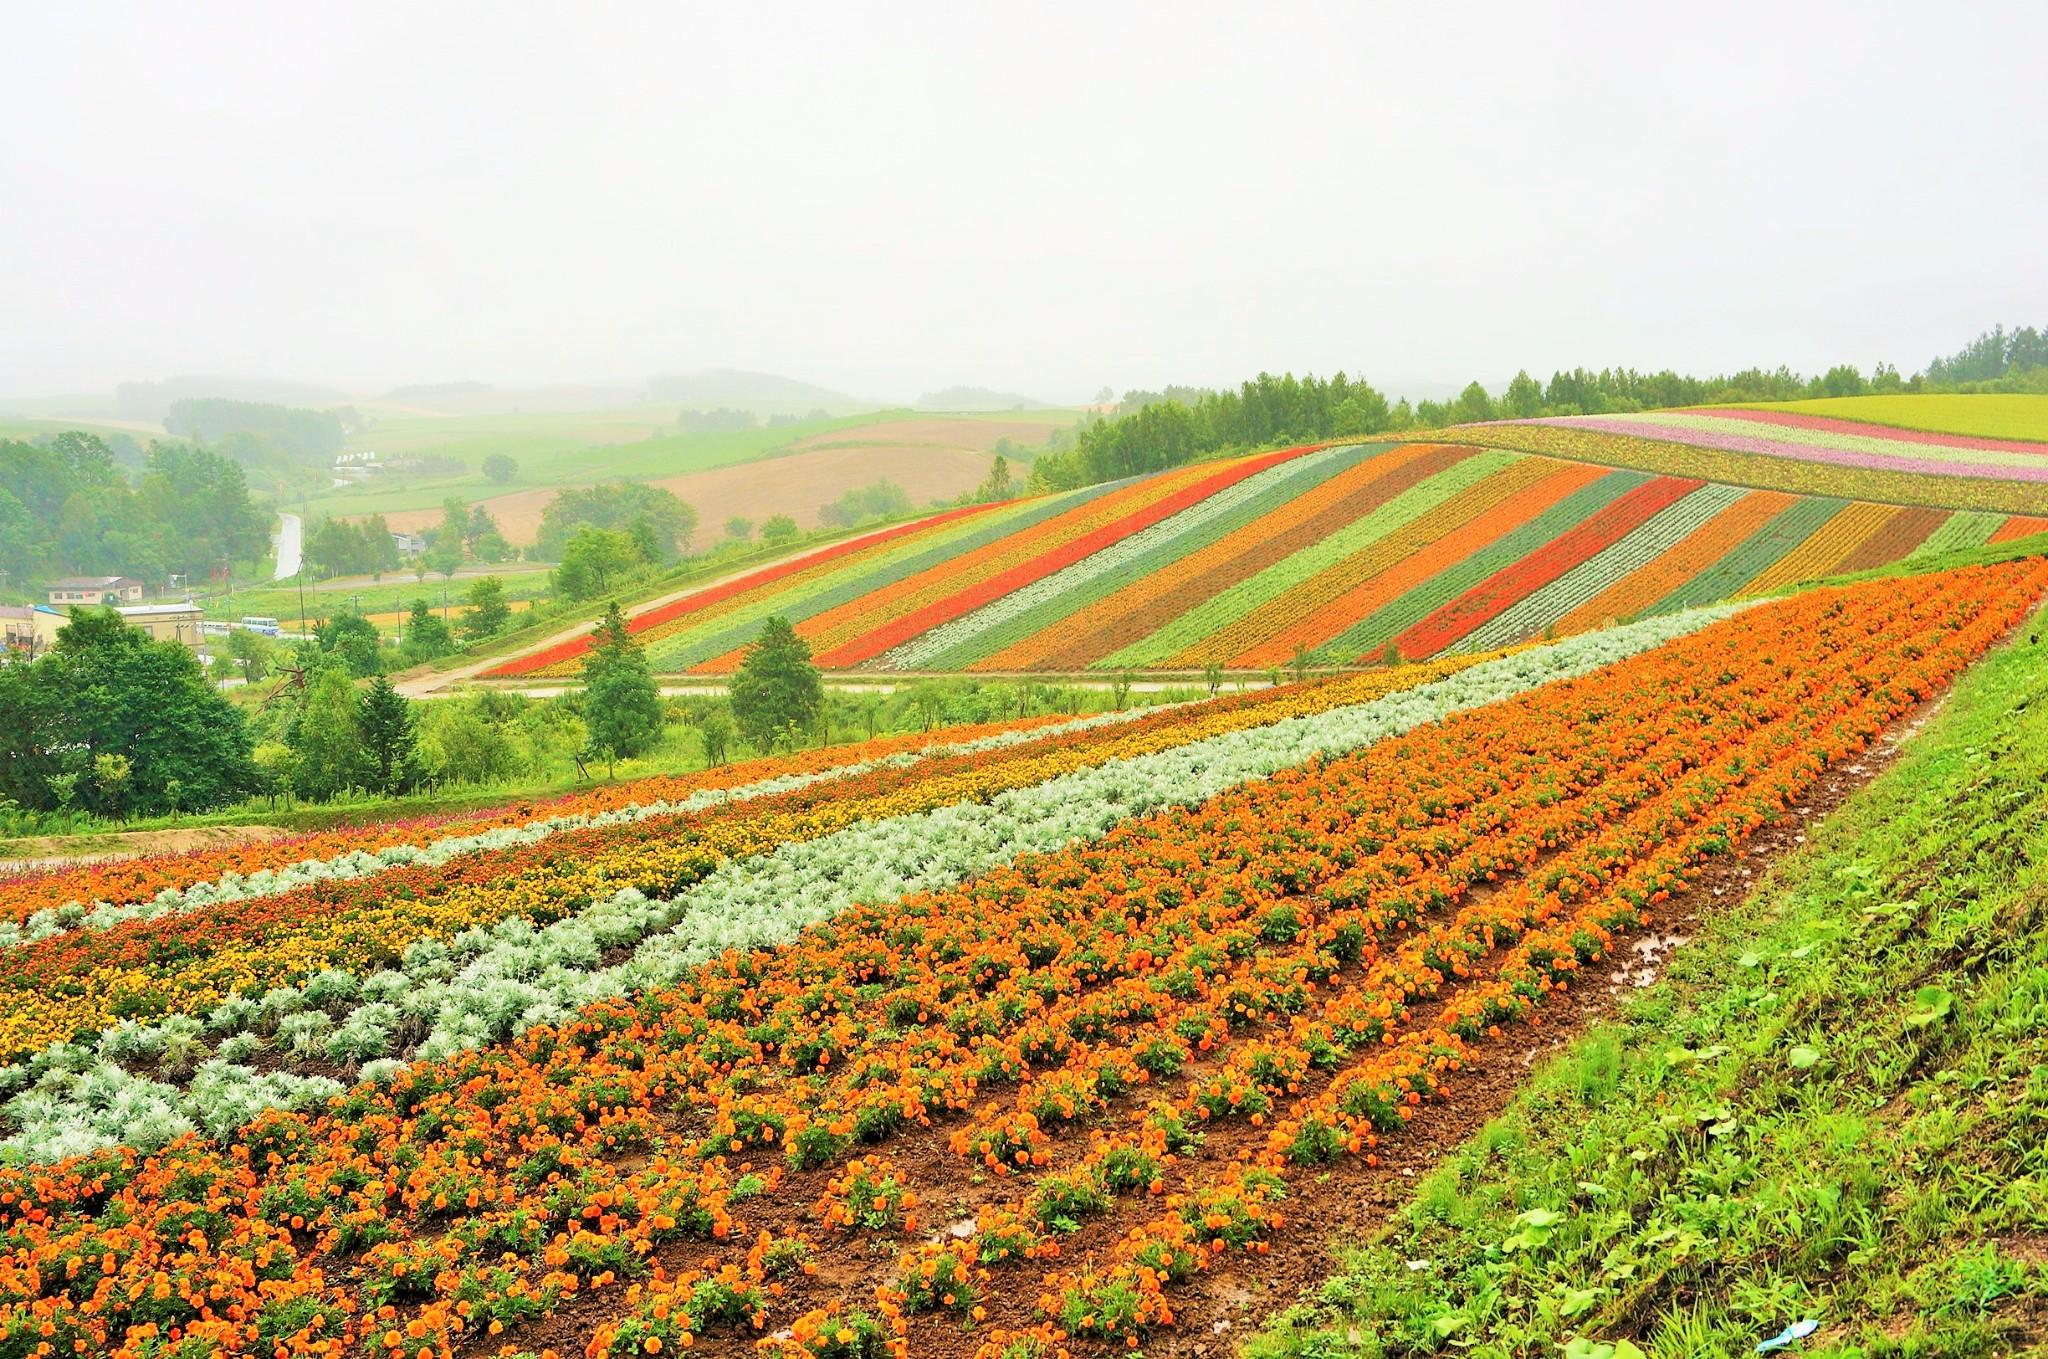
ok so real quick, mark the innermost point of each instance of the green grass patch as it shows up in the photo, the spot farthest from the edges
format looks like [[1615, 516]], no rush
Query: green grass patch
[[1834, 1107], [1986, 415]]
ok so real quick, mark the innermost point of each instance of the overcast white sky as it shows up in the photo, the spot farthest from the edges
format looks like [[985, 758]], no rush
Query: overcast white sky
[[1046, 198]]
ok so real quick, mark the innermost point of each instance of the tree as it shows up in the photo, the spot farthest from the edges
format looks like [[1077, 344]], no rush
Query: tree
[[488, 613], [621, 705], [997, 485], [776, 694], [388, 736], [739, 528], [779, 530], [353, 640], [426, 632], [107, 690], [326, 735], [715, 732], [594, 560], [1212, 675], [256, 653], [616, 507], [444, 556], [501, 468]]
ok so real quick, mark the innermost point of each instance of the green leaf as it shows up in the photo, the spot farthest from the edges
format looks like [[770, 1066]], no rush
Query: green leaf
[[1802, 1057], [1931, 1005], [1532, 1229]]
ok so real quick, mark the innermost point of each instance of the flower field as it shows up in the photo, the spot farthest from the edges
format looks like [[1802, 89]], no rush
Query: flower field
[[1349, 553], [993, 1043]]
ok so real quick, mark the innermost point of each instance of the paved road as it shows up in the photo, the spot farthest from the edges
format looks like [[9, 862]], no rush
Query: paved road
[[287, 540]]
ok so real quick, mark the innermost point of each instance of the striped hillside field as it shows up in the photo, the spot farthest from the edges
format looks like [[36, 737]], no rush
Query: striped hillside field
[[1346, 554]]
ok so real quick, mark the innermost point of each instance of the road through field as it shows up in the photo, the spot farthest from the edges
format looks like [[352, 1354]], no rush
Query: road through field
[[288, 541]]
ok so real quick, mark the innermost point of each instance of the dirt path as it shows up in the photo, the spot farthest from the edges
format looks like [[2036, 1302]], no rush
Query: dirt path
[[58, 851]]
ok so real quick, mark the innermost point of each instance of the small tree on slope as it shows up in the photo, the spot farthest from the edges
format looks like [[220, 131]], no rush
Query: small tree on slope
[[777, 693], [621, 706]]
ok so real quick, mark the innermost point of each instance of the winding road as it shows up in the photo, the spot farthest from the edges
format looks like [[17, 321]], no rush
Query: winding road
[[287, 542]]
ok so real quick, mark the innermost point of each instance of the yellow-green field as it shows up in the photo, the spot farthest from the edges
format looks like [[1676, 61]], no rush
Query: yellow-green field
[[1987, 416]]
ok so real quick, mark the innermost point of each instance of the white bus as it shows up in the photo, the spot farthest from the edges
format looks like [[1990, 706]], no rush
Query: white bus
[[266, 626]]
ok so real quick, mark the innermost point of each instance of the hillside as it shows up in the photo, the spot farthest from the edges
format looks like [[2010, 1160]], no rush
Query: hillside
[[1344, 553], [1815, 448]]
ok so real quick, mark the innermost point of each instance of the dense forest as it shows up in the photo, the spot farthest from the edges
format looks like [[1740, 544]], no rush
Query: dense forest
[[66, 508], [1152, 431]]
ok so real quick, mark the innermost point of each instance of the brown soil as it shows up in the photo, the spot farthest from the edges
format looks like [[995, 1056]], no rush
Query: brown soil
[[1349, 1201], [49, 851], [795, 485]]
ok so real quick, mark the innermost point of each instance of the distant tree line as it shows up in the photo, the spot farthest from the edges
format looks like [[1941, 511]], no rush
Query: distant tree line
[[304, 435], [1152, 431], [66, 508]]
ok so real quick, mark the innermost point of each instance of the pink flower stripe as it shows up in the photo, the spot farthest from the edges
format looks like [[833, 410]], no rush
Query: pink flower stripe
[[1781, 448], [1831, 425]]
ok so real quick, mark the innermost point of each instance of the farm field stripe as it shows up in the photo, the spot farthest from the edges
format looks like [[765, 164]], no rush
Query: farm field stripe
[[1965, 528], [1414, 587], [1021, 612], [1833, 425], [768, 899], [1713, 540], [1824, 551], [1427, 500], [743, 611], [1082, 588], [1656, 536], [1177, 498], [2020, 526], [1080, 512], [1754, 554], [1898, 537], [1514, 582], [1143, 608], [672, 620], [698, 639], [753, 580], [1913, 459], [1314, 603]]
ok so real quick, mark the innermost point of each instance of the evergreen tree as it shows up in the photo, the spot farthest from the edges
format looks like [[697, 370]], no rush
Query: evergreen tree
[[777, 694], [426, 632], [388, 736], [621, 706], [488, 613]]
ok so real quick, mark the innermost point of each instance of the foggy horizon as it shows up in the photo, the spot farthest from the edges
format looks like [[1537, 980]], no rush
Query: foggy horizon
[[1043, 200]]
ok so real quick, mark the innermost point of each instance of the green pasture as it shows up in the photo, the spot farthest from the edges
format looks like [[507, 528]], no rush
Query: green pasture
[[1981, 416]]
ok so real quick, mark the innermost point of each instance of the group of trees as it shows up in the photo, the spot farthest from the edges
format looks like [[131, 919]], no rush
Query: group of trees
[[341, 547], [1152, 431], [113, 723], [307, 436], [881, 499], [662, 520], [67, 508]]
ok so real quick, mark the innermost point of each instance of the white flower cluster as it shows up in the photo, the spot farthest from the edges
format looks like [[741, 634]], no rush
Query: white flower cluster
[[268, 882], [913, 654], [489, 984]]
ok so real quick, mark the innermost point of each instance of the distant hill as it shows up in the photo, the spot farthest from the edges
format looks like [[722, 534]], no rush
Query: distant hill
[[732, 387], [151, 400], [483, 398], [978, 399]]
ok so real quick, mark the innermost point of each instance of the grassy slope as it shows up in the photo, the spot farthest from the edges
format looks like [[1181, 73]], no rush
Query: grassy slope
[[1792, 1124], [1984, 416]]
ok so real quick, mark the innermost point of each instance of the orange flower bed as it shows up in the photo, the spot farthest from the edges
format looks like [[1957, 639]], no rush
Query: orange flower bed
[[1287, 931]]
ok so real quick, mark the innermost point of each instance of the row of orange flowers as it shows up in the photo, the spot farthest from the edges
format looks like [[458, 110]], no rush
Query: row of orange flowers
[[389, 1218]]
